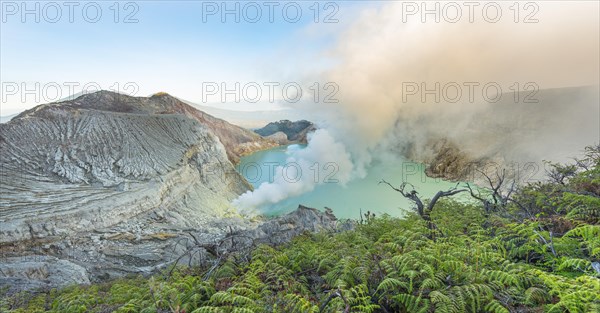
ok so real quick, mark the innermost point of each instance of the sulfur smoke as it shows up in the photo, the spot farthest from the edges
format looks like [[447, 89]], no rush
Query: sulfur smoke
[[300, 173], [381, 55]]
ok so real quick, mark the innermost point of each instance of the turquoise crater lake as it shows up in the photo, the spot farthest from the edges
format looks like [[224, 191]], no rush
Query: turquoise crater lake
[[346, 201]]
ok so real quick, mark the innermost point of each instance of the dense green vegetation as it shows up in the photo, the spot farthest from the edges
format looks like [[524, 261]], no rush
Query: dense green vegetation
[[533, 251]]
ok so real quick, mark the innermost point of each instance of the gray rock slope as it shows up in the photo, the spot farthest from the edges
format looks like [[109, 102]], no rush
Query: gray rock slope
[[105, 254], [68, 167], [109, 183]]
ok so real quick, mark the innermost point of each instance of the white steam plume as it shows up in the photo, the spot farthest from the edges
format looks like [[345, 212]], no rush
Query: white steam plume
[[380, 53], [297, 176]]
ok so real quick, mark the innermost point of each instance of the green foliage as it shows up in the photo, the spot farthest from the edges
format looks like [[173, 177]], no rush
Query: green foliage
[[454, 218], [589, 239], [581, 207], [398, 268], [540, 260]]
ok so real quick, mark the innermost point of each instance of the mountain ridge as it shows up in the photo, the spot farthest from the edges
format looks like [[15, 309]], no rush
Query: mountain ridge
[[286, 131], [113, 184], [238, 141]]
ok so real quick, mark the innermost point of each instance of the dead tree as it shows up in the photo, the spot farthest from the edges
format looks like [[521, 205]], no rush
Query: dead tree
[[219, 250], [424, 211], [561, 174], [499, 197]]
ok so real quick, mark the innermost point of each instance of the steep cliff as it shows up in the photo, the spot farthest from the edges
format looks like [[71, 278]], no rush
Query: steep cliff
[[105, 157], [109, 182]]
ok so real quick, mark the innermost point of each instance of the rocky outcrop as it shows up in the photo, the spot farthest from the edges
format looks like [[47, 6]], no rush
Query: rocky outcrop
[[295, 132], [303, 219], [279, 137], [446, 160], [515, 136], [117, 251], [107, 185], [81, 179], [40, 272], [105, 158]]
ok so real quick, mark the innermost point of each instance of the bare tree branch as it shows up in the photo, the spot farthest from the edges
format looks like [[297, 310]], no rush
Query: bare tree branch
[[499, 198], [441, 194], [413, 195]]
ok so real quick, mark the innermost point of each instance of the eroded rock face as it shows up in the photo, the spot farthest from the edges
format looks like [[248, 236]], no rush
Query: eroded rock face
[[40, 272], [237, 141], [127, 249], [67, 168], [107, 185], [303, 219], [81, 177]]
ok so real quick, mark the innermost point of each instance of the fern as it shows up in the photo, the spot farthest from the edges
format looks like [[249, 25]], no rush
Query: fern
[[412, 303], [495, 307], [478, 262]]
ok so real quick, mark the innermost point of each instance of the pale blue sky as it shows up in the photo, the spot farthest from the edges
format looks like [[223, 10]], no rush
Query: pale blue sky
[[169, 49]]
